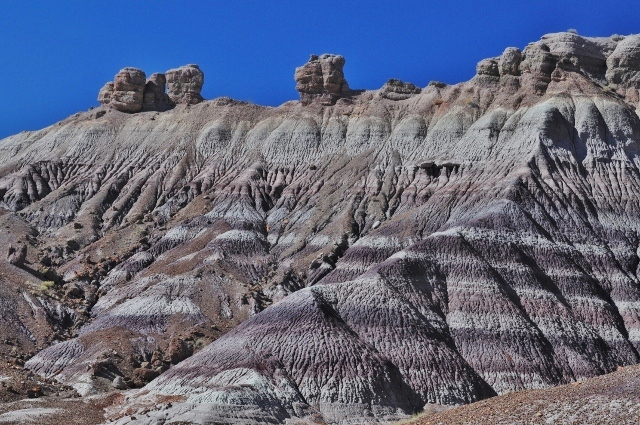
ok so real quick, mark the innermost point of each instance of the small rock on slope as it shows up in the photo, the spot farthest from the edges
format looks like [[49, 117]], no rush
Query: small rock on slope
[[17, 255]]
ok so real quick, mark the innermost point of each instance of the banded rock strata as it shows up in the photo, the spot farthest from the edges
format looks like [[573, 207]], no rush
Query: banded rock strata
[[349, 260]]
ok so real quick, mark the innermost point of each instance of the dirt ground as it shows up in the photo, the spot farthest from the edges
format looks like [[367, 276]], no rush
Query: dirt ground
[[608, 399]]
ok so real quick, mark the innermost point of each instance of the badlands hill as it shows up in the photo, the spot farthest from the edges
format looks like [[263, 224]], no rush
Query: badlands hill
[[347, 258]]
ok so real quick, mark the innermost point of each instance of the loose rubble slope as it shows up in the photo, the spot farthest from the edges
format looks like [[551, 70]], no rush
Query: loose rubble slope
[[607, 399], [346, 258]]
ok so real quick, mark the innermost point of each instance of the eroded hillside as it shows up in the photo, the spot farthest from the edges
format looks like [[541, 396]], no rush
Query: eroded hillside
[[349, 257]]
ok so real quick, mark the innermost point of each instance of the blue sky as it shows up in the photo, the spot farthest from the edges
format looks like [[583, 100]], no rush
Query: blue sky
[[57, 54]]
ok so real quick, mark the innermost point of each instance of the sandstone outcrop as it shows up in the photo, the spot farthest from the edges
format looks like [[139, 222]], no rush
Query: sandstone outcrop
[[179, 350], [586, 54], [105, 94], [488, 67], [17, 255], [350, 263], [509, 62], [398, 90], [623, 65], [538, 63], [322, 79], [129, 92], [184, 84], [155, 96]]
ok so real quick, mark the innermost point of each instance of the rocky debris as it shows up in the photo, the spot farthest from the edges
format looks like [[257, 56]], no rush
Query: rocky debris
[[179, 350], [72, 290], [144, 375], [509, 62], [17, 255], [155, 96], [59, 407], [35, 392], [398, 90], [586, 402], [623, 65], [119, 384], [322, 79], [488, 67], [184, 84]]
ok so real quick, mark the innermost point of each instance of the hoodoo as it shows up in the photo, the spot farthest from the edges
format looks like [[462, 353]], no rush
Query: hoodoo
[[321, 79], [126, 93], [184, 84], [129, 92]]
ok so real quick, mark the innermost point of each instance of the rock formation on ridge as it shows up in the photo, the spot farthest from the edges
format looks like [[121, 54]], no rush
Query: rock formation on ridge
[[184, 84], [336, 261], [322, 79], [623, 63], [130, 92], [488, 67], [127, 92], [509, 62], [155, 96], [398, 90]]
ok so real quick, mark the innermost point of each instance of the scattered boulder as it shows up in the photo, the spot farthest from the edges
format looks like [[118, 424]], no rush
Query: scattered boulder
[[321, 79], [101, 367], [623, 64], [126, 92], [510, 61], [17, 255], [35, 392], [398, 90], [119, 384], [184, 84], [142, 376], [73, 291], [488, 67], [179, 350]]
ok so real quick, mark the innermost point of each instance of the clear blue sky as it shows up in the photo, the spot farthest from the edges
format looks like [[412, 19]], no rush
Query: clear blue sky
[[57, 54]]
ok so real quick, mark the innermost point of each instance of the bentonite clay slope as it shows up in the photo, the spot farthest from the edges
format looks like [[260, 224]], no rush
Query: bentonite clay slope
[[417, 246]]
